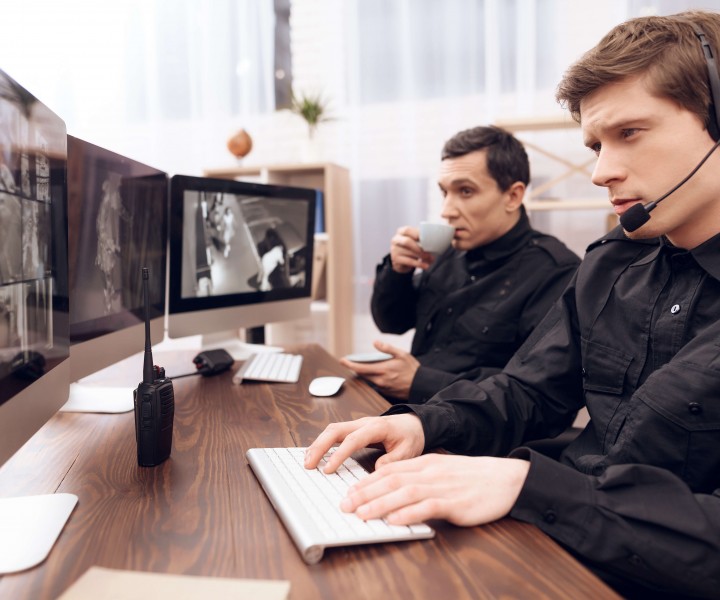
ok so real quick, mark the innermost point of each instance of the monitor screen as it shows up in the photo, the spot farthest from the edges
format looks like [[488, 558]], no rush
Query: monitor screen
[[117, 217], [239, 252], [33, 265]]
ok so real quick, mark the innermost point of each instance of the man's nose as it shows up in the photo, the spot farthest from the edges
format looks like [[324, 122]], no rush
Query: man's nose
[[608, 169], [448, 208]]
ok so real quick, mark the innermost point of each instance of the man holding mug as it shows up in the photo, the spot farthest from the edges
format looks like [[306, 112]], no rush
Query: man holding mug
[[473, 304]]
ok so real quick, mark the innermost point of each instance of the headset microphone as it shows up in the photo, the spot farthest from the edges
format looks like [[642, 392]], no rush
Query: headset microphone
[[637, 215]]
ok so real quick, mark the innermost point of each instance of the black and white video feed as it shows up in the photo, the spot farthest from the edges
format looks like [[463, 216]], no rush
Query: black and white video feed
[[33, 291], [35, 238], [238, 244], [25, 321], [26, 270], [11, 238], [117, 220]]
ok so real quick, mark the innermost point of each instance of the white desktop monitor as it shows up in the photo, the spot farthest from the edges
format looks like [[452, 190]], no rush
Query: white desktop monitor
[[34, 366], [240, 257], [117, 219]]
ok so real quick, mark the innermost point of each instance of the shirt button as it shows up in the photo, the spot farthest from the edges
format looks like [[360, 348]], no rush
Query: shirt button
[[695, 408], [635, 560], [428, 327], [449, 310], [675, 309], [584, 373], [472, 278], [550, 516], [485, 329]]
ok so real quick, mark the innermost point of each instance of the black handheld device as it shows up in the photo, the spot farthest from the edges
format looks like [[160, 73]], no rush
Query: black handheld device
[[154, 403], [212, 362]]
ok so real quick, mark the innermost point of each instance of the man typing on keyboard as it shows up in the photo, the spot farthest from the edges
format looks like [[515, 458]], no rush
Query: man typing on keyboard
[[634, 337]]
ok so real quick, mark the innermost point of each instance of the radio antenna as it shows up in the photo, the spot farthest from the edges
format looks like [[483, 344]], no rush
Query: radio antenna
[[148, 369]]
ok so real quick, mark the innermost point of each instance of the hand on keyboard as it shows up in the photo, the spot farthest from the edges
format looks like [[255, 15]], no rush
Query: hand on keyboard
[[308, 502]]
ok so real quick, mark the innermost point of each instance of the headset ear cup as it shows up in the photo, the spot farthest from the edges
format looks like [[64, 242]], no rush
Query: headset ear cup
[[713, 82], [713, 126]]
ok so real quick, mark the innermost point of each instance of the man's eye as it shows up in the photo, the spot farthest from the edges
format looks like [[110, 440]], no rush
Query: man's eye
[[626, 133], [596, 147], [466, 191]]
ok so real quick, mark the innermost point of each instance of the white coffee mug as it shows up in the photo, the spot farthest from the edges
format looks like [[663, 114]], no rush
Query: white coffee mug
[[436, 237]]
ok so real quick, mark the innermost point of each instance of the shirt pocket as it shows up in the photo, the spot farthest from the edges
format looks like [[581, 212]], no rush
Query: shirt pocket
[[603, 368], [676, 424], [481, 334], [485, 326]]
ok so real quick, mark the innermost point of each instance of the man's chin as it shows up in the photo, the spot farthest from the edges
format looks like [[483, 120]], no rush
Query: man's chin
[[642, 233]]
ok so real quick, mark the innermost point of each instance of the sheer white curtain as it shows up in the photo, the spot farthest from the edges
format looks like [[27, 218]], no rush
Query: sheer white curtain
[[159, 80]]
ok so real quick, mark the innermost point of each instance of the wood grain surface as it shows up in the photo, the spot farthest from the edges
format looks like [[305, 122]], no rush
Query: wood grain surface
[[202, 512]]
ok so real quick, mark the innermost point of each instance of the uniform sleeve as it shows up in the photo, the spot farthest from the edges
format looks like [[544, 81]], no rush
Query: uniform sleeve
[[393, 299], [428, 381], [536, 396], [633, 521]]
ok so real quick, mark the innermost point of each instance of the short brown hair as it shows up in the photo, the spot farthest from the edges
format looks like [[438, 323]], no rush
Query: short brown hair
[[507, 161], [665, 49]]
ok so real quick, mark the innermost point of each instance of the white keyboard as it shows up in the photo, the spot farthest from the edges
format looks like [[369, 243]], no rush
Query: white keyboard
[[308, 502], [270, 366]]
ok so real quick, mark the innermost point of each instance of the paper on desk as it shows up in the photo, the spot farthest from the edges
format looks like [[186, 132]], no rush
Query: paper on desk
[[98, 583]]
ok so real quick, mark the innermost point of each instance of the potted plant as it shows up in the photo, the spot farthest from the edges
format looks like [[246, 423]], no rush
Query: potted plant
[[312, 108]]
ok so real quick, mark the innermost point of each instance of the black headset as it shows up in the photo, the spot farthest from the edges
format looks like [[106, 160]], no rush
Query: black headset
[[714, 80]]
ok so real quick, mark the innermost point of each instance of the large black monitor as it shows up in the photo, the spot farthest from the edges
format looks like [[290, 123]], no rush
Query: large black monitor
[[240, 257], [34, 366], [117, 214]]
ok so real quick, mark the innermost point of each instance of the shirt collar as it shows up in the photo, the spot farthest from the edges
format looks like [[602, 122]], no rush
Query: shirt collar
[[504, 245], [707, 254]]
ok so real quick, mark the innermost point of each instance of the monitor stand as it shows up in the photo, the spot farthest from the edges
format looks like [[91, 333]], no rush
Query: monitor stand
[[236, 347], [101, 392], [29, 526], [94, 397]]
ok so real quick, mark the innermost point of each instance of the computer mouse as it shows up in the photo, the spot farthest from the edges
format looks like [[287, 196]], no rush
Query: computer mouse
[[325, 386]]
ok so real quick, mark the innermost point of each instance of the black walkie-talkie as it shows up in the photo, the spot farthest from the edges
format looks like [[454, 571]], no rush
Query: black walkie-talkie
[[154, 403]]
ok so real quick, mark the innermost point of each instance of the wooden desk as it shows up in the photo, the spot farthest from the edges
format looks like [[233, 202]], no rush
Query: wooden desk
[[203, 512]]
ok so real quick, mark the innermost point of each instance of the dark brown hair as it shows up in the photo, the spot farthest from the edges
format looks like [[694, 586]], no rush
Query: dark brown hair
[[665, 50], [507, 161]]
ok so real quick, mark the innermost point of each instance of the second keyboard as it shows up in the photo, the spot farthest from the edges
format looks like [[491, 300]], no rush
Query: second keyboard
[[276, 367]]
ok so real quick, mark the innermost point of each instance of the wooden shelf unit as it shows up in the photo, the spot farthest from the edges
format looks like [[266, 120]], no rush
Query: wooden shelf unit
[[334, 181], [568, 168]]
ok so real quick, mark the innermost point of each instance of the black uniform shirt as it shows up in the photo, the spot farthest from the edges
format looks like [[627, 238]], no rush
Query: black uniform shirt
[[635, 338], [472, 311]]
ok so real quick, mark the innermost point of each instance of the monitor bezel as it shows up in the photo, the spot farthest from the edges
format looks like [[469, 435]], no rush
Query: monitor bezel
[[179, 184]]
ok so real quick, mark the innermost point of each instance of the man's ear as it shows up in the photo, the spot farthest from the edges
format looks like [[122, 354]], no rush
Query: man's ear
[[513, 196]]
